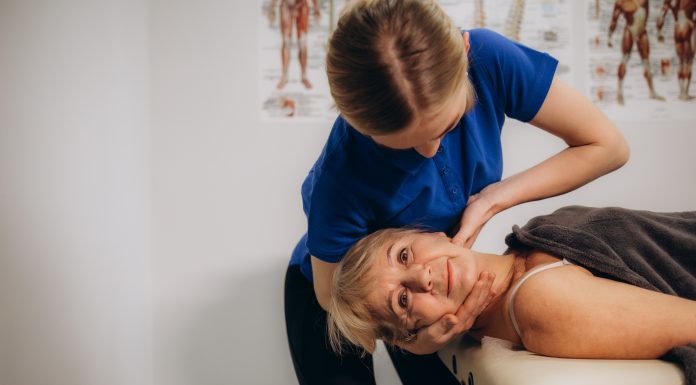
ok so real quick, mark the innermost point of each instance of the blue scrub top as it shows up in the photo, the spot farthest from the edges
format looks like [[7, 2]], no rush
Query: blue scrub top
[[357, 187]]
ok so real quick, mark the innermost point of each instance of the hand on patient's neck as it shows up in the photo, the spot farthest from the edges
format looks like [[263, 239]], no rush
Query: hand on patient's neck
[[504, 268], [507, 269]]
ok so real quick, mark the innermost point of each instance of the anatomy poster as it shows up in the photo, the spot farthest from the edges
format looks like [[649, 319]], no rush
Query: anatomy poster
[[541, 24], [293, 36], [641, 57]]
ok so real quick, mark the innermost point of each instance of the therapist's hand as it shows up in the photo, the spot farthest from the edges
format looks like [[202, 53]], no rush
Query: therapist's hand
[[479, 209], [434, 337]]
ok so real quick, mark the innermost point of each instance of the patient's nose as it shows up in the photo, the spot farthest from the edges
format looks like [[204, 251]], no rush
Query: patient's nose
[[420, 278]]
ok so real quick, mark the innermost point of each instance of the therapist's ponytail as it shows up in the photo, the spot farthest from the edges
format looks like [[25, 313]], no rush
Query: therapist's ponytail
[[388, 59]]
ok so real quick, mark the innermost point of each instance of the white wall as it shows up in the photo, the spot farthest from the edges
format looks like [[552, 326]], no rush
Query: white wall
[[75, 303], [226, 207], [82, 180]]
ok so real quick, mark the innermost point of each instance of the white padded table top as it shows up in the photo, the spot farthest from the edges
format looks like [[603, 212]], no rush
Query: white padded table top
[[494, 362]]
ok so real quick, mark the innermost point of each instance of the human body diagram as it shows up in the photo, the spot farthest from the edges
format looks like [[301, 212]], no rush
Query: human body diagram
[[684, 16], [635, 13], [293, 13]]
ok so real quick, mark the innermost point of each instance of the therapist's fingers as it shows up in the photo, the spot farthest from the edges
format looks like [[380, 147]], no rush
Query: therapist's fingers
[[473, 218], [475, 302], [431, 338], [466, 240], [487, 294], [449, 327], [452, 326]]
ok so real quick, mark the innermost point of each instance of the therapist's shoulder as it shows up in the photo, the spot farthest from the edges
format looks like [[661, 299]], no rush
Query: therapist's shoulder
[[331, 191], [507, 70], [492, 51], [490, 61], [486, 44], [484, 36], [342, 150], [335, 143]]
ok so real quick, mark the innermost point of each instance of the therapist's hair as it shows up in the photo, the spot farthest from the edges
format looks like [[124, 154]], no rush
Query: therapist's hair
[[350, 318], [388, 59]]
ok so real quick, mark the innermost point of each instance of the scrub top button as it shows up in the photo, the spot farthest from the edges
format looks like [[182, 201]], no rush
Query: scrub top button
[[444, 170], [453, 190]]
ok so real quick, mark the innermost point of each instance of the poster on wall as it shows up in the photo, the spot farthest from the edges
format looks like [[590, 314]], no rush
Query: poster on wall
[[293, 36], [540, 24], [641, 57]]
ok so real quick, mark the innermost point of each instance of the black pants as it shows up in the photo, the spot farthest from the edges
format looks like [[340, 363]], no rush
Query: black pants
[[316, 363]]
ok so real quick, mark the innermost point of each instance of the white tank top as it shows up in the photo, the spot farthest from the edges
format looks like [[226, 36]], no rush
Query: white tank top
[[511, 299]]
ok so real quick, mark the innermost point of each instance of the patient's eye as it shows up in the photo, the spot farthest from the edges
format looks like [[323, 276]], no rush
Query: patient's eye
[[403, 256], [403, 299]]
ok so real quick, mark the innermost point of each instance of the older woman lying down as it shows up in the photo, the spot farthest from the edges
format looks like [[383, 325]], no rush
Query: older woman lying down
[[579, 283]]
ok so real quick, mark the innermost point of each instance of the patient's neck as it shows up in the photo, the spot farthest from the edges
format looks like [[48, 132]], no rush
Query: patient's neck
[[503, 266], [507, 269]]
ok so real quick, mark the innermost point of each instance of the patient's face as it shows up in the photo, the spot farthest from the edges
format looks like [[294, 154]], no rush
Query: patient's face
[[420, 278]]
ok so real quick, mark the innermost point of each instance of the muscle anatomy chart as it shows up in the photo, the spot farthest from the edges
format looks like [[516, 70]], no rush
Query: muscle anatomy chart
[[293, 35], [641, 55], [292, 38]]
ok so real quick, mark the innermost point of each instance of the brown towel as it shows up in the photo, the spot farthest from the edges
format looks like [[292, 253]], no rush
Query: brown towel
[[655, 251]]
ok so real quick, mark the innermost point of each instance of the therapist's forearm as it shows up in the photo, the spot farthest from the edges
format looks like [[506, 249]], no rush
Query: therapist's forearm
[[323, 297], [595, 147], [563, 172], [322, 273]]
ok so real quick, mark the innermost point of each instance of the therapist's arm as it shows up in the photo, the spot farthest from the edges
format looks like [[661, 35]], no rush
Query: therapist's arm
[[595, 147], [322, 273]]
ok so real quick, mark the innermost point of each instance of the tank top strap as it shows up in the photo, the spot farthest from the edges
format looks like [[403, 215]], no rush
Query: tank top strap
[[527, 275]]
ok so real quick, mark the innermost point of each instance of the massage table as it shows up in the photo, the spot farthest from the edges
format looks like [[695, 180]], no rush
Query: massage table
[[496, 362]]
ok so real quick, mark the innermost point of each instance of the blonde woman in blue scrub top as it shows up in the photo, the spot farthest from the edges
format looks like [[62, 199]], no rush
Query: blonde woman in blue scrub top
[[422, 105]]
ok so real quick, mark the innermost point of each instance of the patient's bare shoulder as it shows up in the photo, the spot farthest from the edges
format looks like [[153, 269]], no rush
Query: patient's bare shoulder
[[552, 304], [568, 312]]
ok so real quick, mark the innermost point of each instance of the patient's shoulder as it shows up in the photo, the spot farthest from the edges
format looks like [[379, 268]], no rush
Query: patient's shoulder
[[548, 300], [536, 258]]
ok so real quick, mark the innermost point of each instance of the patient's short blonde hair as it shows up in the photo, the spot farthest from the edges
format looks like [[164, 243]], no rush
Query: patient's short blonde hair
[[350, 318]]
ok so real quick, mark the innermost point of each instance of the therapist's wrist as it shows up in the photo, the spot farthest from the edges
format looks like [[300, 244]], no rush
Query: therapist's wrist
[[497, 198]]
